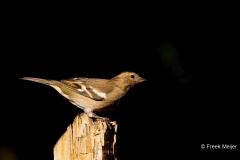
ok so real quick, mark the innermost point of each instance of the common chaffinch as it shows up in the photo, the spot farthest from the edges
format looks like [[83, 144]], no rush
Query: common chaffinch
[[93, 94]]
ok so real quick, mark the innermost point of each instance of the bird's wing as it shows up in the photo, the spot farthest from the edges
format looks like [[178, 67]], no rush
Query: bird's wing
[[96, 89]]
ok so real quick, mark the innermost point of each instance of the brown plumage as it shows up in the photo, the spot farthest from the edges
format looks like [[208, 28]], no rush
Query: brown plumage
[[93, 94]]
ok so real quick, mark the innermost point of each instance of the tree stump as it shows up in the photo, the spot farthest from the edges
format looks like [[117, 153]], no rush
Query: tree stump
[[86, 139]]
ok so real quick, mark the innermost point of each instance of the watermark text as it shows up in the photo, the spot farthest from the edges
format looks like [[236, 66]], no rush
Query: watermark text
[[219, 146]]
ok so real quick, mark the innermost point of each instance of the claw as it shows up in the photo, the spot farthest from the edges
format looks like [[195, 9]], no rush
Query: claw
[[103, 119]]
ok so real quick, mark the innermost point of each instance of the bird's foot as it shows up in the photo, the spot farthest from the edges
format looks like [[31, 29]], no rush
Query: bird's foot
[[103, 119]]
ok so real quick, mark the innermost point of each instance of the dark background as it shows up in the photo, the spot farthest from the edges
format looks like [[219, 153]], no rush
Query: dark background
[[188, 57]]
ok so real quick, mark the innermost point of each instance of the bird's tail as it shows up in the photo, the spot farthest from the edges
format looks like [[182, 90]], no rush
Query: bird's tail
[[39, 80]]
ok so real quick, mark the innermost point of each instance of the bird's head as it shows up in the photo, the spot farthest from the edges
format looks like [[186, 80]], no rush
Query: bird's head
[[128, 79], [131, 77]]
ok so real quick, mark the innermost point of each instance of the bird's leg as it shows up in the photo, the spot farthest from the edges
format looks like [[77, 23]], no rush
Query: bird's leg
[[93, 115], [104, 119]]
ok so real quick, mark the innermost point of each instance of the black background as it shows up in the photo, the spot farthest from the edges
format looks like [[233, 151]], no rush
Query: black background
[[188, 57]]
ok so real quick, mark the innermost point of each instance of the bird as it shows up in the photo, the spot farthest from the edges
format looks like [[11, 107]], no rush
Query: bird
[[93, 94]]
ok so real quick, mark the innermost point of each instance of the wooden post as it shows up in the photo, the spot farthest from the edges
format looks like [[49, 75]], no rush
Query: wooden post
[[86, 139]]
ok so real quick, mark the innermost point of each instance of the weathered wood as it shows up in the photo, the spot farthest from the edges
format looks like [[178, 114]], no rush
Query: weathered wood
[[86, 139]]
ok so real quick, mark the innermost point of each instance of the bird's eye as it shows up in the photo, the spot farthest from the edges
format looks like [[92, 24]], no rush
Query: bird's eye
[[132, 76]]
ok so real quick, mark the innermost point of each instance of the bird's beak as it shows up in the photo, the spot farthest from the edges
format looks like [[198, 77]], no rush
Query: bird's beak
[[140, 79]]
